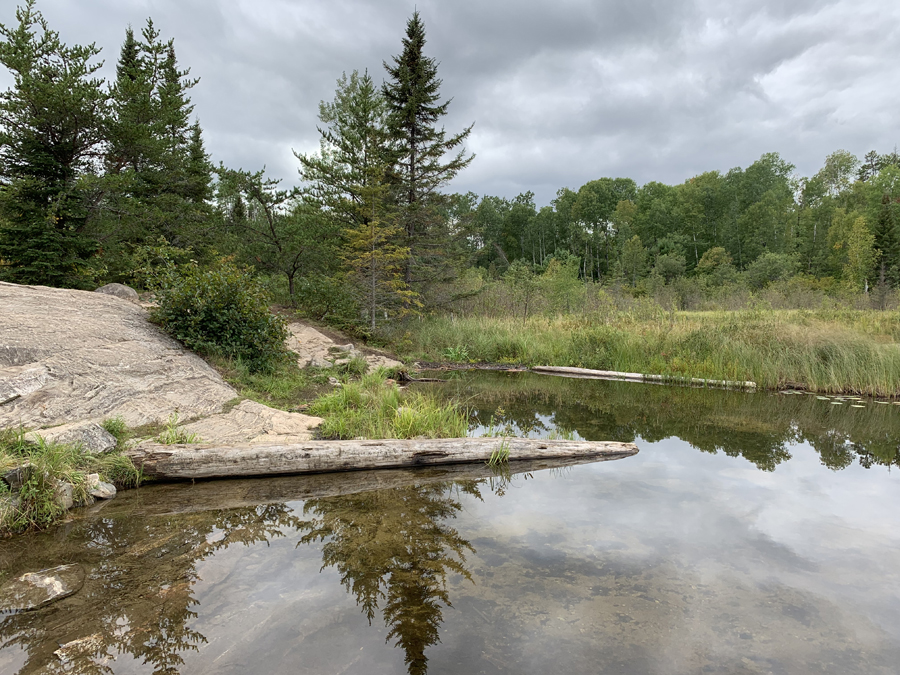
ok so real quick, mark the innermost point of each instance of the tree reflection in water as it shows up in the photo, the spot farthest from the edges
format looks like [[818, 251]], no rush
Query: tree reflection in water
[[759, 427], [393, 549], [395, 546], [138, 596]]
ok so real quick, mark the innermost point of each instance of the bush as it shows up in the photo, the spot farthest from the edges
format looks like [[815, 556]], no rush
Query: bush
[[222, 311]]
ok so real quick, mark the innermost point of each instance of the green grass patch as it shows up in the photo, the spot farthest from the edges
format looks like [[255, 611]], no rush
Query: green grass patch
[[285, 386], [375, 407], [173, 434], [35, 505]]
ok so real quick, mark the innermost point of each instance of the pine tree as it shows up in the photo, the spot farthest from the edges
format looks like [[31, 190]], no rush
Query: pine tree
[[347, 179], [50, 130], [421, 147], [887, 244], [158, 173]]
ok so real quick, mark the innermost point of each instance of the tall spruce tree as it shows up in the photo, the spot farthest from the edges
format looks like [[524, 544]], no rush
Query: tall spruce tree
[[426, 158], [348, 180], [158, 174], [50, 131], [887, 243]]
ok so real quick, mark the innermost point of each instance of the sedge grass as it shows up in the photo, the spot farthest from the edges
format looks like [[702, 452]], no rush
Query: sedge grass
[[375, 407], [825, 351], [35, 505]]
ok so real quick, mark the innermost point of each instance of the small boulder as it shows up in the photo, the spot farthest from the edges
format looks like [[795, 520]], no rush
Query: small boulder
[[64, 495], [15, 478], [319, 362], [34, 590], [120, 291], [99, 489], [92, 438]]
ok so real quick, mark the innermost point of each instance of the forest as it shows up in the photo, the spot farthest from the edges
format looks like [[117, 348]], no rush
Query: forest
[[109, 181]]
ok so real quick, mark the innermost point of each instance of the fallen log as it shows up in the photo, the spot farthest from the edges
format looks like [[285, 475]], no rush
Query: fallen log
[[216, 495], [589, 373], [225, 461]]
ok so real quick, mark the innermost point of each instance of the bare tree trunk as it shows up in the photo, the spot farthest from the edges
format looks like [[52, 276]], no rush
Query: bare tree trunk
[[210, 461]]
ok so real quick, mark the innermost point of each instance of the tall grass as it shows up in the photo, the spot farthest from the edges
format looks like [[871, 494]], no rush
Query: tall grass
[[374, 407], [828, 351], [36, 504], [284, 386]]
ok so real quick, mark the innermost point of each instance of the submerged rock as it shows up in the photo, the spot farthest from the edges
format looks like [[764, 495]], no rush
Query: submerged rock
[[83, 648], [34, 590], [92, 438]]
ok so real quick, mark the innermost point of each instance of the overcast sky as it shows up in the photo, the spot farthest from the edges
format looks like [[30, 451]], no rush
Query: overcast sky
[[560, 92]]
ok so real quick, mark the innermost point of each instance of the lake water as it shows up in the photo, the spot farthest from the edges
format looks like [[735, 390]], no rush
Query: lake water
[[753, 533]]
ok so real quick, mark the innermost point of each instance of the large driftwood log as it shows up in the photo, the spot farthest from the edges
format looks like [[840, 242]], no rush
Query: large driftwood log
[[216, 495], [589, 373], [211, 461]]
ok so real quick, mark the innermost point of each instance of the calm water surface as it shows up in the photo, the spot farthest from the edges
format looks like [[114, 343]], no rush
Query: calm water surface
[[753, 533]]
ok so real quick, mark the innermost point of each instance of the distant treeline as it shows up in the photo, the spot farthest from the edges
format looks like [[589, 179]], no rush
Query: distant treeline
[[764, 220], [110, 181]]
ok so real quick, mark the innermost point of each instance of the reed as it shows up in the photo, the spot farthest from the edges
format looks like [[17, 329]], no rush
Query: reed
[[829, 351]]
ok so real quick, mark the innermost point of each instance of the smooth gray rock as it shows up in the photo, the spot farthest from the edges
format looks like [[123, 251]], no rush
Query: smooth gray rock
[[92, 438], [34, 590], [251, 422], [68, 356], [64, 495], [99, 489], [15, 478], [120, 291]]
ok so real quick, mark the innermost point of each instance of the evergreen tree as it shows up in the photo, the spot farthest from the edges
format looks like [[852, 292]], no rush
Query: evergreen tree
[[158, 175], [422, 168], [354, 154], [50, 130], [348, 180], [886, 243]]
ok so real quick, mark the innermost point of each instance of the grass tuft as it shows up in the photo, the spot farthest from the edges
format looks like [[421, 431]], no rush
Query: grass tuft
[[46, 466], [174, 434], [374, 407]]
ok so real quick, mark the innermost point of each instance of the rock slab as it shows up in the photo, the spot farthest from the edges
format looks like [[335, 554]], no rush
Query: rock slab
[[316, 350], [92, 438], [68, 356], [251, 422], [34, 590]]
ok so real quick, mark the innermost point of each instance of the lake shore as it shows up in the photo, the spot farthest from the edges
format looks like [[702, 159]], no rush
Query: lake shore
[[835, 352]]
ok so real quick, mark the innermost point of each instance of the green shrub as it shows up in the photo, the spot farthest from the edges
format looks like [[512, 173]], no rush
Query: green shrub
[[222, 311]]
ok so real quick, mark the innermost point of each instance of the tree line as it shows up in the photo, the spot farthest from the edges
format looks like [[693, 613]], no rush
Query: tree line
[[100, 181]]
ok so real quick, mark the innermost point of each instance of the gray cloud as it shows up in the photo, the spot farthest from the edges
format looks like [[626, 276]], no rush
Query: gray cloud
[[561, 93]]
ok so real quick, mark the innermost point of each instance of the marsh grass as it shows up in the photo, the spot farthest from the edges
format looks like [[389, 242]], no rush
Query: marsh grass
[[36, 505], [829, 351], [375, 407], [285, 386]]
